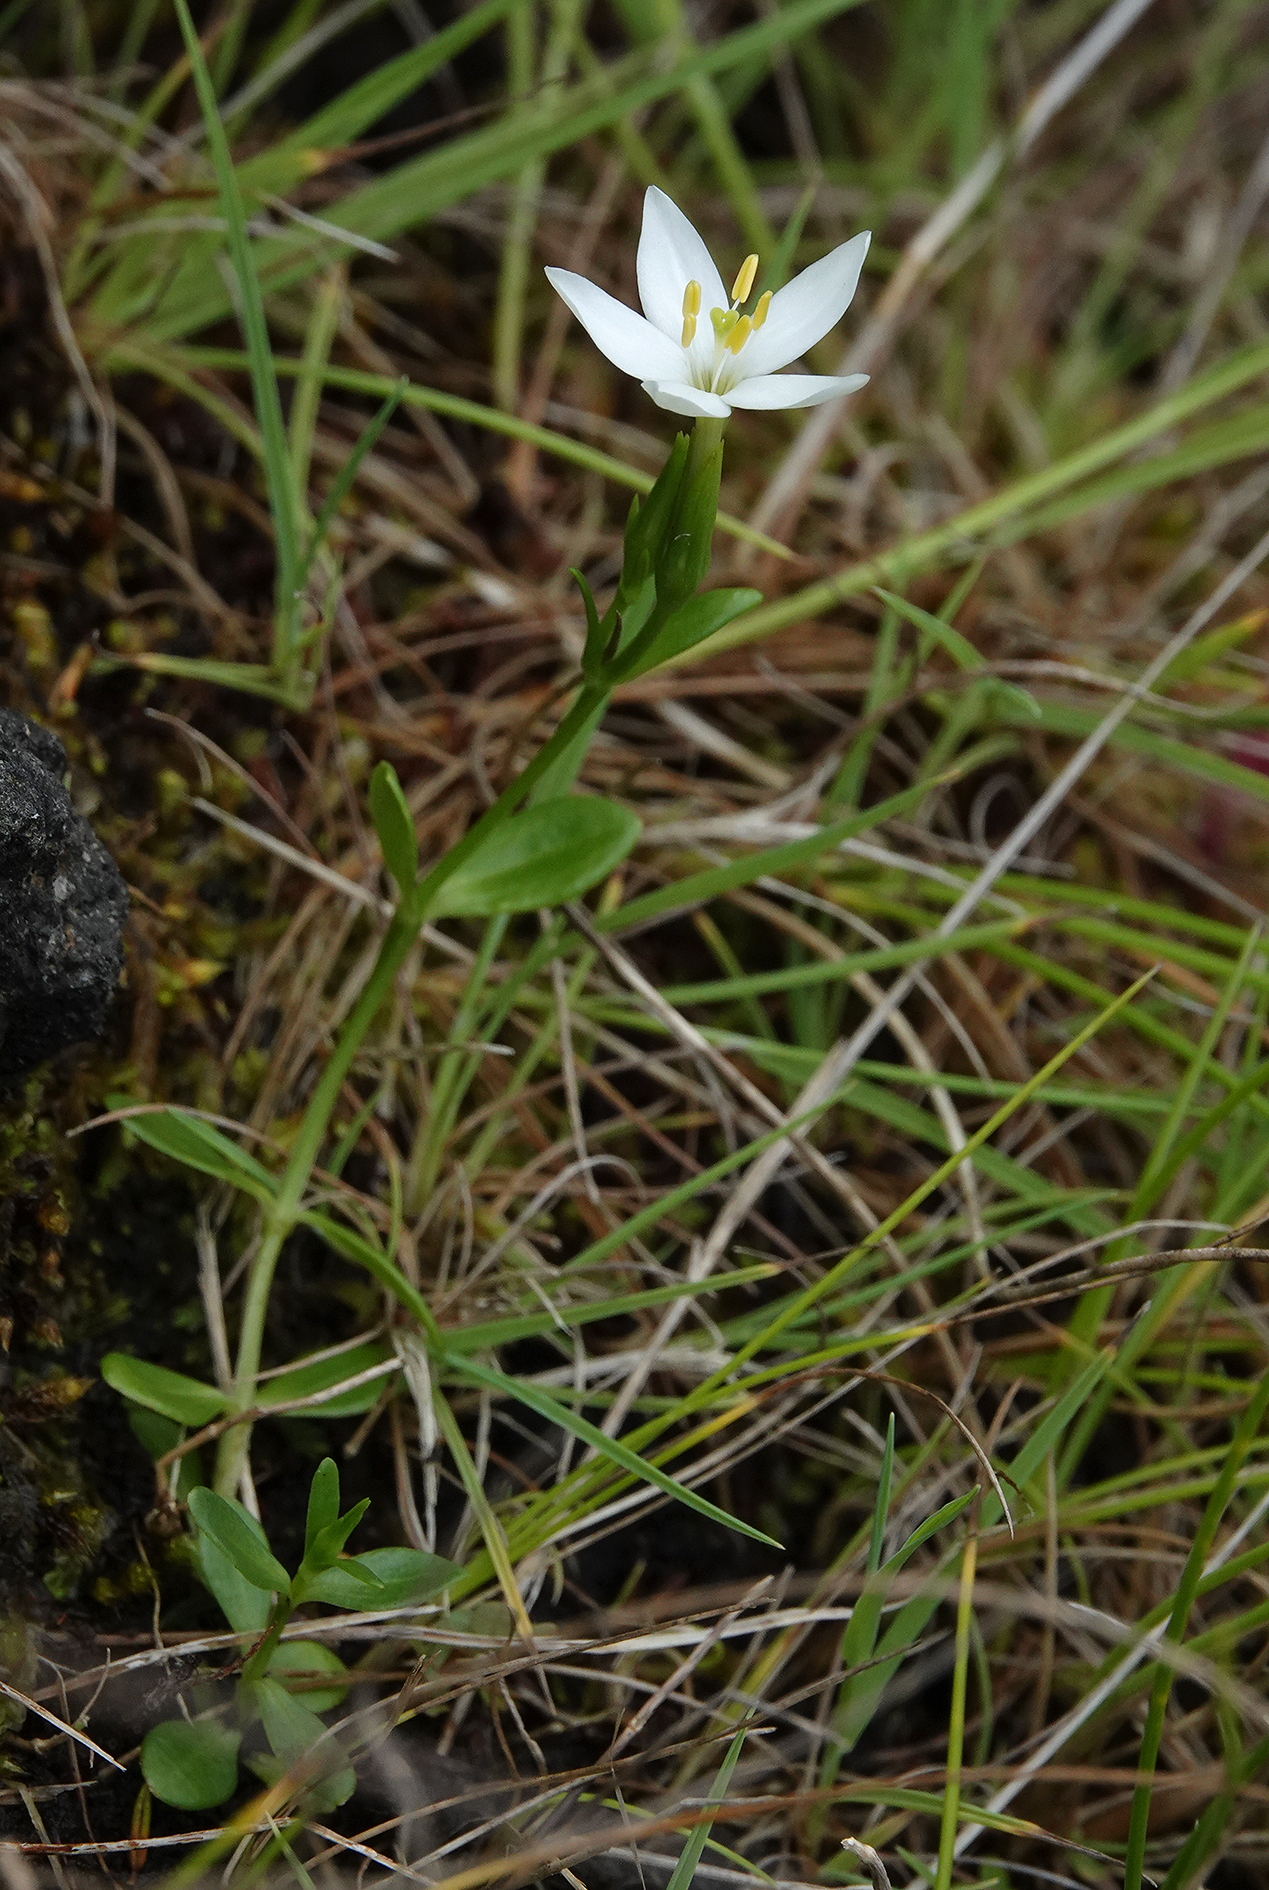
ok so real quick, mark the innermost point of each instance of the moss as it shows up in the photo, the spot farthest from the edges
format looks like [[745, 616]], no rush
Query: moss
[[81, 1269]]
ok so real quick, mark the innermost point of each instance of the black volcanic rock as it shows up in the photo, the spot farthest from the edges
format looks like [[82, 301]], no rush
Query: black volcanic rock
[[62, 906]]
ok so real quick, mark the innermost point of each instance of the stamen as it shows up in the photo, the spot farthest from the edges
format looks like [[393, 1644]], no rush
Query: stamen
[[692, 299], [740, 334], [689, 329], [760, 313], [744, 281]]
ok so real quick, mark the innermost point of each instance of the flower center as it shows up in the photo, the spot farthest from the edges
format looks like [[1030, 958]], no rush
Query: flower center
[[731, 329]]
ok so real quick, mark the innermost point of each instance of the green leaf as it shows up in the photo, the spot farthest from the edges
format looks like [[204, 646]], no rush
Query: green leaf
[[246, 1607], [394, 824], [698, 888], [548, 854], [296, 1734], [340, 488], [930, 1527], [692, 623], [323, 1500], [285, 504], [408, 1576], [698, 1837], [958, 647], [328, 1543], [195, 1143], [191, 1764], [861, 1631], [185, 1400], [296, 1663], [157, 1435], [360, 1577], [1009, 700], [881, 1503], [304, 1380], [596, 634], [238, 1536]]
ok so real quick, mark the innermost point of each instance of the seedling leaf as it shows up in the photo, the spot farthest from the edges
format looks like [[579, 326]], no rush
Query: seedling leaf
[[329, 1540], [295, 1735], [296, 1663], [192, 1764]]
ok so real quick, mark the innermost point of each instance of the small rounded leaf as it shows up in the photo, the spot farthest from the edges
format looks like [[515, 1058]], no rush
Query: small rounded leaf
[[300, 1667], [192, 1764], [550, 853], [394, 824], [299, 1739]]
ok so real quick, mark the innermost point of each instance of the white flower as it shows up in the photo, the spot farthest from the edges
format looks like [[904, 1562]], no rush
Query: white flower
[[692, 348]]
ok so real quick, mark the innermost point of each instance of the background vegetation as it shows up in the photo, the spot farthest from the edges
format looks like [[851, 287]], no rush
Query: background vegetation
[[912, 1069]]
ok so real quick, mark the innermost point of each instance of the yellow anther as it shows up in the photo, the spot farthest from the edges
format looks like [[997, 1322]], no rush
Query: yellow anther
[[689, 329], [744, 281], [740, 334], [760, 313], [692, 299]]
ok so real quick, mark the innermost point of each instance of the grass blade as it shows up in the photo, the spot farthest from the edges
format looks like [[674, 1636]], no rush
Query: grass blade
[[690, 1856], [283, 504], [617, 1453]]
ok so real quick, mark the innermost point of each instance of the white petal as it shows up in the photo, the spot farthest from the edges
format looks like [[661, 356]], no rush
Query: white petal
[[682, 397], [671, 255], [630, 342], [804, 310], [793, 390]]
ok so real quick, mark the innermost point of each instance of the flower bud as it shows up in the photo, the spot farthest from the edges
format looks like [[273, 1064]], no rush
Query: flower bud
[[686, 554], [649, 522]]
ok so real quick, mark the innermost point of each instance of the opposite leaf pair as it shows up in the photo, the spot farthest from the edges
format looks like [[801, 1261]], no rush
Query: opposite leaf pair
[[545, 856], [193, 1763]]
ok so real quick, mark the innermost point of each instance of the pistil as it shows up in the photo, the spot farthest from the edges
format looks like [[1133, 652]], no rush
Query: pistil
[[740, 334]]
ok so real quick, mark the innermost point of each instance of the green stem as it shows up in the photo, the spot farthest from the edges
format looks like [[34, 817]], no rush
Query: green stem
[[283, 1213], [258, 1665]]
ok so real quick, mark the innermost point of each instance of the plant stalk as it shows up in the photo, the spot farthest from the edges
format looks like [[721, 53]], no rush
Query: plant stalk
[[283, 1213]]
